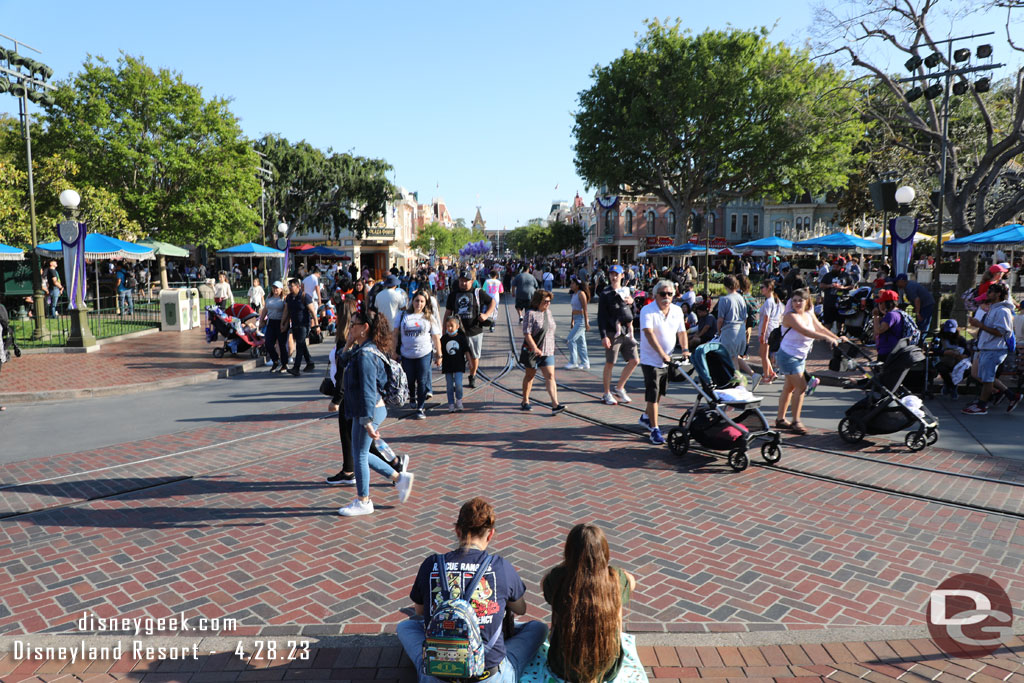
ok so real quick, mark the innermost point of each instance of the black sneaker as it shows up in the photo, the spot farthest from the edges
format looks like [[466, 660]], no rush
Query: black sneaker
[[294, 371], [341, 479], [274, 367], [1014, 400], [525, 406], [472, 382], [559, 408], [996, 398], [309, 367]]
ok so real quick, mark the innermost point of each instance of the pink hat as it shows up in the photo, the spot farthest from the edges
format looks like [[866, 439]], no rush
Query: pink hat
[[997, 268]]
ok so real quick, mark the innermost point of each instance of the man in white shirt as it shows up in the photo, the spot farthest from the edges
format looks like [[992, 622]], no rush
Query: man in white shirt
[[311, 286], [390, 300], [662, 326]]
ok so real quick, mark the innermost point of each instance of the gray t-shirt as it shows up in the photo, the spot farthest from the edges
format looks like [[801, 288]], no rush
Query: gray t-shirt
[[525, 285], [732, 309], [275, 308]]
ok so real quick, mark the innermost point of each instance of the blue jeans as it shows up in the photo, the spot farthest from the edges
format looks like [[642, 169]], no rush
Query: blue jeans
[[127, 302], [578, 342], [54, 298], [519, 649], [365, 460], [453, 382], [417, 371]]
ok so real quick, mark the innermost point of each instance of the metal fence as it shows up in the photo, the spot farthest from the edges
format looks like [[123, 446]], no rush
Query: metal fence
[[105, 321]]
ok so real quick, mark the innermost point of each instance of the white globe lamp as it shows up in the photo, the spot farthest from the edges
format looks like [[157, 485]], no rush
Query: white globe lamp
[[905, 195], [70, 199]]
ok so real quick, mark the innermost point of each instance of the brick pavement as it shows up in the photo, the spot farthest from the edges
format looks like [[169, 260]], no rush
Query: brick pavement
[[132, 364]]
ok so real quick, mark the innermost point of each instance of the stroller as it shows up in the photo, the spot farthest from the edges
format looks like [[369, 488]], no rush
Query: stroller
[[708, 420], [230, 324], [855, 311], [888, 405]]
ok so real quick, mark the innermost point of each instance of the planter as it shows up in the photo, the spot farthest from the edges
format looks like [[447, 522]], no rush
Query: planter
[[948, 279], [924, 276]]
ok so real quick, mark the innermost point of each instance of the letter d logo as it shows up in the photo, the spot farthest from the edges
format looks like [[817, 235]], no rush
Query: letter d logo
[[965, 615]]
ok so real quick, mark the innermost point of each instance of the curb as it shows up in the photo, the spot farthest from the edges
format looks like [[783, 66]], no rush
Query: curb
[[100, 343], [142, 387]]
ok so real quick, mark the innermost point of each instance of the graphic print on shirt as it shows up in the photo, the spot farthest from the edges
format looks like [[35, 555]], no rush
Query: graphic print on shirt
[[464, 305], [482, 600], [451, 346]]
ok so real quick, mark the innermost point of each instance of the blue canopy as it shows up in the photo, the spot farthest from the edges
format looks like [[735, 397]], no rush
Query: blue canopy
[[323, 251], [99, 246], [687, 248], [11, 253], [1006, 236], [839, 240], [767, 244], [252, 249]]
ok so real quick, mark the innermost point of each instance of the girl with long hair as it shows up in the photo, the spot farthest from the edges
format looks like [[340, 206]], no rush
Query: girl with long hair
[[579, 359], [418, 339], [274, 340], [366, 377], [769, 319], [586, 594], [539, 349]]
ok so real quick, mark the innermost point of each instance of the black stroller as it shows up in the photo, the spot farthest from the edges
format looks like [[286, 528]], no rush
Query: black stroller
[[710, 424], [888, 405]]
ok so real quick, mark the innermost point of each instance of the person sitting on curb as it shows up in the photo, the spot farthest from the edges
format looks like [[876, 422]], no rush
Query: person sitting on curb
[[587, 596], [500, 589]]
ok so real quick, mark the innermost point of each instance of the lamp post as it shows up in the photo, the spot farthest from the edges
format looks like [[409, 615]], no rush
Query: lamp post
[[433, 252], [282, 228], [80, 336]]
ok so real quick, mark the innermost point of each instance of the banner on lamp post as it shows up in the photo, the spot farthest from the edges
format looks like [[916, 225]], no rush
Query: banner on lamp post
[[901, 232], [72, 238]]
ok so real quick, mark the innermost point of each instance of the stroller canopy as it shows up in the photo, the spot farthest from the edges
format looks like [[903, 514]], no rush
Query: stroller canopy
[[713, 365], [904, 356]]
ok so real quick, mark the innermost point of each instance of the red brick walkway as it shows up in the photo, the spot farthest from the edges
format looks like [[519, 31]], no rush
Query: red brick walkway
[[144, 360]]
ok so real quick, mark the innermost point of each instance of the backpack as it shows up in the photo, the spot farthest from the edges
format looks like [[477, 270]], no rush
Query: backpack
[[910, 329], [129, 278], [968, 297], [396, 393], [454, 646]]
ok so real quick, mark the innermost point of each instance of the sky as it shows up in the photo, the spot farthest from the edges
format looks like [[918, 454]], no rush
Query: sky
[[469, 101]]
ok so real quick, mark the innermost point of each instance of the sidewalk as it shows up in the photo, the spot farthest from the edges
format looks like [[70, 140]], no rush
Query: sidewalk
[[146, 363]]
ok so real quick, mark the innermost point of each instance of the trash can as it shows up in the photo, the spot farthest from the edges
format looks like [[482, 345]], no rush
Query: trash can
[[175, 310], [195, 317]]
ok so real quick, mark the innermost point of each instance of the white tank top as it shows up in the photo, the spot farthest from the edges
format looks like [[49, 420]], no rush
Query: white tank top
[[795, 344], [575, 303]]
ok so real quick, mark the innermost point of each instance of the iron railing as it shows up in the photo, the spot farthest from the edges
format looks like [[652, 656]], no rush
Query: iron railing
[[105, 321]]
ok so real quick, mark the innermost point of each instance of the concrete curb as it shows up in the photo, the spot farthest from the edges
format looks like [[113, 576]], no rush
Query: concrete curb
[[100, 343], [142, 387]]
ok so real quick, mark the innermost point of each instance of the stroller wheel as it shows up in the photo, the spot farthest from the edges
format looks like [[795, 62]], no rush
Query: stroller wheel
[[850, 431], [771, 452], [678, 441], [218, 352], [931, 435], [916, 441], [738, 460], [254, 352]]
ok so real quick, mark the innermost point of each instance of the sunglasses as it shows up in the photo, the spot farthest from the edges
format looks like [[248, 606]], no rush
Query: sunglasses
[[666, 294]]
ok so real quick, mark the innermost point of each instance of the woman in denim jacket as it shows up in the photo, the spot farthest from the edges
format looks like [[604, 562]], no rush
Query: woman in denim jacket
[[365, 379]]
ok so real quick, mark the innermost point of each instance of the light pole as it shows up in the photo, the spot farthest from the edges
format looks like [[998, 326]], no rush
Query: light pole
[[282, 228], [26, 87], [433, 252]]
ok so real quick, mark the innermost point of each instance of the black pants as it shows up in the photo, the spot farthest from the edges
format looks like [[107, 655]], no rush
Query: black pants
[[345, 433], [276, 342], [299, 334]]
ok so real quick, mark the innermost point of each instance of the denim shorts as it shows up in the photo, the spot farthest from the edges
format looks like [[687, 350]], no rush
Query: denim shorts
[[988, 364], [788, 364]]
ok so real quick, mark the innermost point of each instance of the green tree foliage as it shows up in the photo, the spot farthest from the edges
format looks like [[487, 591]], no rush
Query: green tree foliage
[[688, 118], [178, 162], [447, 241], [325, 192], [537, 240]]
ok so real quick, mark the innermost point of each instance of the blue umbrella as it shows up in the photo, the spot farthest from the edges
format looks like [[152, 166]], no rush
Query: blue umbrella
[[767, 244], [687, 248], [252, 249], [98, 247], [1006, 236], [324, 251], [839, 240], [10, 253]]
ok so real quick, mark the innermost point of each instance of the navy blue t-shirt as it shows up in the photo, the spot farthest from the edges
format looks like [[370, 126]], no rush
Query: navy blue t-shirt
[[500, 584], [298, 309]]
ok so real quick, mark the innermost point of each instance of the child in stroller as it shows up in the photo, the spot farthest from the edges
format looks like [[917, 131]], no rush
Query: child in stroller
[[237, 325], [888, 405], [713, 377]]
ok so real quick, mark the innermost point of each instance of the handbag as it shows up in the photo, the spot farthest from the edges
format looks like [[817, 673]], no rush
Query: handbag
[[775, 338]]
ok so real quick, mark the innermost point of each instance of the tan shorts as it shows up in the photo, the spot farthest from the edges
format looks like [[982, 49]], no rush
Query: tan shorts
[[624, 343]]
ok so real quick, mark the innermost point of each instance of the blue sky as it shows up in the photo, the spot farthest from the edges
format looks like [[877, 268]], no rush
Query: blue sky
[[471, 101]]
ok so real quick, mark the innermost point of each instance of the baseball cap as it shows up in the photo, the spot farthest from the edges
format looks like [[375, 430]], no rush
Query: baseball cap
[[949, 326], [278, 284], [616, 269], [887, 295], [465, 274], [1005, 265], [391, 281], [880, 282], [902, 276], [840, 261], [998, 268]]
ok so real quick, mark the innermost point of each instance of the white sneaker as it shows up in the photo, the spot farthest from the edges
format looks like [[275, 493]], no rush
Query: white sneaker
[[609, 400], [458, 405], [451, 407], [571, 366], [622, 395], [584, 367], [755, 379], [356, 508], [404, 486]]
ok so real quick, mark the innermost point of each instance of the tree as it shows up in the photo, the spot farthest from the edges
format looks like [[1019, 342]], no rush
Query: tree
[[985, 133], [178, 162], [688, 118], [447, 241], [326, 192]]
